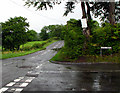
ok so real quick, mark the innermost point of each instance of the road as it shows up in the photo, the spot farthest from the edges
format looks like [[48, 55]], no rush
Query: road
[[35, 73]]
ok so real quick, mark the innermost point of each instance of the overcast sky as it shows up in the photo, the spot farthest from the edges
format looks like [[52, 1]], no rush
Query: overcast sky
[[37, 19]]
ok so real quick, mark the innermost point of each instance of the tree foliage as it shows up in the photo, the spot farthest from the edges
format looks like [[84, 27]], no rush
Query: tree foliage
[[44, 34], [105, 36], [103, 10], [74, 39], [0, 34], [14, 33], [52, 31], [32, 35]]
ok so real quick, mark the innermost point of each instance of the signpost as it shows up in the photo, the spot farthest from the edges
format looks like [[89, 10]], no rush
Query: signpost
[[105, 48], [84, 25], [84, 22]]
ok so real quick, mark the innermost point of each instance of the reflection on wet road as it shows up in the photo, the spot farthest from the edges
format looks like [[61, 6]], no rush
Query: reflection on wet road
[[34, 72]]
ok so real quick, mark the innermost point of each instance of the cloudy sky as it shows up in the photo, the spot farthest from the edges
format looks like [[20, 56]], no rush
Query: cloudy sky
[[37, 19]]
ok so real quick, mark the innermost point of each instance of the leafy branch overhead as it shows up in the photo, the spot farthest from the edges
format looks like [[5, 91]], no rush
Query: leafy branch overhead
[[41, 4], [102, 9], [69, 7]]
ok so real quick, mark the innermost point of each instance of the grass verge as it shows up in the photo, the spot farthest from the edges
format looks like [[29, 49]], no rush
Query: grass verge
[[60, 57], [89, 58], [9, 54]]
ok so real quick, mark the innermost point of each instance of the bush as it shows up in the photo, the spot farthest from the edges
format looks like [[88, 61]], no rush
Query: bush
[[37, 45], [106, 36], [26, 48], [74, 40]]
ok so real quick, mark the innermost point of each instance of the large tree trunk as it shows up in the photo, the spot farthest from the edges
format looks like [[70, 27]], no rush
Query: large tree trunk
[[112, 13], [83, 9], [88, 11], [84, 30], [89, 18], [87, 31]]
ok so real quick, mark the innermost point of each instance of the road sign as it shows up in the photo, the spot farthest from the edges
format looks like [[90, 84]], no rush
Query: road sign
[[84, 23], [105, 48]]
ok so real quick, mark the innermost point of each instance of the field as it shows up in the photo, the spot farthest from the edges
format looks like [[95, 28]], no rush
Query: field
[[10, 54], [32, 43]]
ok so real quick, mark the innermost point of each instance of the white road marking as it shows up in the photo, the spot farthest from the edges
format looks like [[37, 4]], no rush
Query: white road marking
[[58, 71], [54, 47], [13, 89], [49, 50], [18, 89], [24, 84], [37, 66], [8, 64], [16, 80], [30, 72], [31, 77], [3, 89], [29, 80], [21, 77], [44, 53], [41, 65], [10, 84], [33, 57]]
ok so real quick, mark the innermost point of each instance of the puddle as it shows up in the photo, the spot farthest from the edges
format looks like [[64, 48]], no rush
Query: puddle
[[32, 74], [101, 81], [25, 66], [68, 68], [96, 84]]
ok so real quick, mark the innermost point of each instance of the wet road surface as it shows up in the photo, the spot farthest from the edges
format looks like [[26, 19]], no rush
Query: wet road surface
[[35, 73]]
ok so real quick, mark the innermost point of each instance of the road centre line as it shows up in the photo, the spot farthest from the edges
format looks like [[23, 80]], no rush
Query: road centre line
[[39, 66], [45, 52], [92, 71], [29, 72], [8, 64]]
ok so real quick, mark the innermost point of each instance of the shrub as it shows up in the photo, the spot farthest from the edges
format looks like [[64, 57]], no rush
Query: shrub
[[74, 40], [26, 48], [37, 45], [106, 36]]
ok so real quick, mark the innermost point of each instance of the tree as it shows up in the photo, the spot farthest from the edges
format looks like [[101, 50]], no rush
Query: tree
[[14, 33], [0, 34], [56, 31], [74, 39], [44, 34], [52, 31], [112, 12], [32, 35], [108, 11]]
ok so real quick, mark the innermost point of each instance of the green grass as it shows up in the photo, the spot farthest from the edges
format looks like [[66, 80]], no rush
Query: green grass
[[32, 43], [60, 57], [114, 58], [109, 58], [10, 54], [0, 47]]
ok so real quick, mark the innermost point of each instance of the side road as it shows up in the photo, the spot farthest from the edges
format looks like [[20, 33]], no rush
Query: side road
[[34, 73]]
